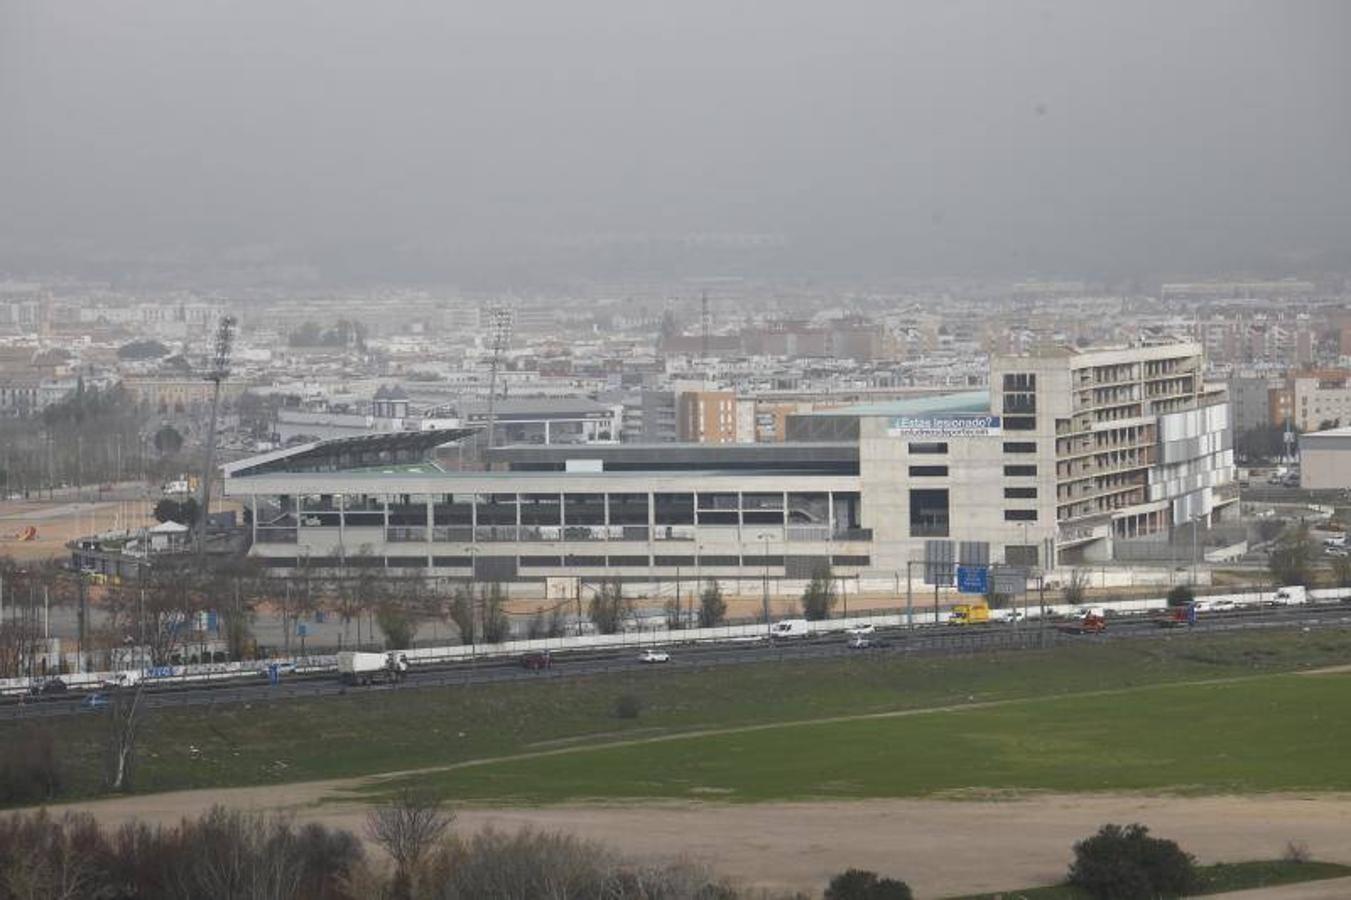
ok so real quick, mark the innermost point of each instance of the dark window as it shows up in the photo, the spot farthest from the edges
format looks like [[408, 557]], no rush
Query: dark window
[[628, 509], [929, 447], [1020, 515], [628, 561], [759, 517], [850, 560], [1021, 555], [1020, 423], [365, 519], [928, 513], [407, 562], [541, 509], [539, 562], [673, 509], [718, 501], [762, 561], [497, 509], [1019, 471], [922, 471], [578, 562], [720, 560], [1020, 381], [717, 518], [584, 509], [675, 561], [1020, 493], [1020, 447], [451, 562]]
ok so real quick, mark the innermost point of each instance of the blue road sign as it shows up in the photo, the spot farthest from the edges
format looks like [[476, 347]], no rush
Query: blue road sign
[[301, 629], [973, 579]]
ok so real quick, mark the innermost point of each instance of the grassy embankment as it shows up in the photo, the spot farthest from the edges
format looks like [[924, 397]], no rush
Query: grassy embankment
[[1214, 879], [1262, 733]]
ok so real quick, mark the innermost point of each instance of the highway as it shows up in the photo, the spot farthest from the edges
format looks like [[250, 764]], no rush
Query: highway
[[928, 640]]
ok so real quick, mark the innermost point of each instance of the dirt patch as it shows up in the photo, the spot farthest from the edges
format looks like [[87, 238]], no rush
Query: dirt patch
[[1326, 670], [1022, 841]]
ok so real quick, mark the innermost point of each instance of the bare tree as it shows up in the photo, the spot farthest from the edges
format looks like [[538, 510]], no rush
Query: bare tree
[[406, 828], [124, 727], [1076, 589]]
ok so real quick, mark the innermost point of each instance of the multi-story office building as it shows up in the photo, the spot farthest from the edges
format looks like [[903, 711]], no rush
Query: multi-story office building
[[1069, 453]]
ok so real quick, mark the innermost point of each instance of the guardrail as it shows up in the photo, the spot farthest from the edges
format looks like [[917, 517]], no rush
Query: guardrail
[[919, 617]]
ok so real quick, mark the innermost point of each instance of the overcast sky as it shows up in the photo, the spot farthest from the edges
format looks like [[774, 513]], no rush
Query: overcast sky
[[833, 138]]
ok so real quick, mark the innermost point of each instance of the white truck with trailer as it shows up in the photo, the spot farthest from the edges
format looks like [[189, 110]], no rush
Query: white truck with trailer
[[1290, 595], [357, 668]]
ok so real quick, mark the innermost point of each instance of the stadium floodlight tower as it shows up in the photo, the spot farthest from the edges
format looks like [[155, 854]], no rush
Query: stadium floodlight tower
[[499, 336], [219, 371]]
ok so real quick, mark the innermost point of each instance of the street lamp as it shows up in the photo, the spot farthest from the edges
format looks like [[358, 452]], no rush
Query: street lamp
[[765, 537]]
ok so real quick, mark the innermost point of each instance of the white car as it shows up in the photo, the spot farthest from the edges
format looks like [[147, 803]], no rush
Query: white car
[[865, 628], [1223, 605], [655, 656]]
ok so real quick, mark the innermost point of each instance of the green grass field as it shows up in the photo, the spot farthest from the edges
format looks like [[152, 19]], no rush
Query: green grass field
[[1282, 732], [372, 732]]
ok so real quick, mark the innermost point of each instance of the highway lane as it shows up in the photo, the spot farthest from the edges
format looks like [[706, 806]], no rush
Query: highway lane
[[928, 640]]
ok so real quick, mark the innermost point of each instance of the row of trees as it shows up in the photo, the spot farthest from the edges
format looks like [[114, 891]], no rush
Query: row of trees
[[231, 853]]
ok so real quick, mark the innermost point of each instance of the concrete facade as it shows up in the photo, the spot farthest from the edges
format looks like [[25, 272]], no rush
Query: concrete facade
[[1325, 460]]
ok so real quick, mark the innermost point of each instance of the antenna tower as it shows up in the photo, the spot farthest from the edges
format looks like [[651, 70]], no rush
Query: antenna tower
[[218, 372], [705, 320]]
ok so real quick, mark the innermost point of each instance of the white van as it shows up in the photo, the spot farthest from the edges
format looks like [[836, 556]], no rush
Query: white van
[[791, 628]]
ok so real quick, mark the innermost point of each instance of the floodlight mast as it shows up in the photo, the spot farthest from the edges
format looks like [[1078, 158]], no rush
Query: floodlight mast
[[217, 374]]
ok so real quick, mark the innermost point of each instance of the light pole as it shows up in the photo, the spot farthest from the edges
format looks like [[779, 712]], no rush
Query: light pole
[[472, 550], [764, 537], [1196, 526]]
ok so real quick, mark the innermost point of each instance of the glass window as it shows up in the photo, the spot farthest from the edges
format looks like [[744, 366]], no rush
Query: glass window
[[628, 509], [1020, 515], [541, 509], [496, 509], [1020, 446], [717, 501], [1020, 493], [935, 447], [808, 509], [928, 513], [1020, 423], [927, 471], [453, 509], [1020, 471], [673, 509], [584, 509]]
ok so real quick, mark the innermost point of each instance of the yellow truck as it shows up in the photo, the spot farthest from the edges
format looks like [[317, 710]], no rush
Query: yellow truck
[[969, 614]]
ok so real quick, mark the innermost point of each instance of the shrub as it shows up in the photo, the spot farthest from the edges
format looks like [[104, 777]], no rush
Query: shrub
[[1181, 595], [1125, 863], [858, 884], [712, 607], [540, 864], [819, 597], [628, 706], [1297, 852], [223, 853], [30, 768], [1076, 589]]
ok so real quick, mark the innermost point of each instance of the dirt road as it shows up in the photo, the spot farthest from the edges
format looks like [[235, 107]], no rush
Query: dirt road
[[1022, 840]]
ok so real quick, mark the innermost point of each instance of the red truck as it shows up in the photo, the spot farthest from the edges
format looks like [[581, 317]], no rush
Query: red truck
[[1091, 622]]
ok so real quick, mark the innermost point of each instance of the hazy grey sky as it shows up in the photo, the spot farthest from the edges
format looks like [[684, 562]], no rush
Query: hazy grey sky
[[440, 138]]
